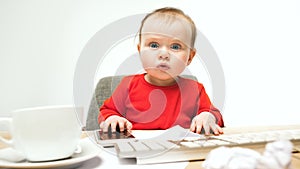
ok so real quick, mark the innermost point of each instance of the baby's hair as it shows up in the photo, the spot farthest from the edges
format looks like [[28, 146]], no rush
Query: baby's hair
[[173, 12]]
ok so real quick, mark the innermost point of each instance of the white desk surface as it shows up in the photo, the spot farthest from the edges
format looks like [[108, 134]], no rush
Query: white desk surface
[[107, 160]]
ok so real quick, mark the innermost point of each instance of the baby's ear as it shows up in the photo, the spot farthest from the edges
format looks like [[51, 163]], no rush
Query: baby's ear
[[191, 56], [138, 46]]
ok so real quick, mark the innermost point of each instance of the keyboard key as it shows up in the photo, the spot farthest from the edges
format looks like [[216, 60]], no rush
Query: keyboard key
[[190, 144], [208, 144], [194, 138], [167, 144], [200, 142], [220, 142], [125, 147], [139, 146], [153, 145]]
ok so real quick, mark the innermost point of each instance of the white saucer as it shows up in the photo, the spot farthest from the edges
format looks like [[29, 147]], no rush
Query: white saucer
[[88, 151]]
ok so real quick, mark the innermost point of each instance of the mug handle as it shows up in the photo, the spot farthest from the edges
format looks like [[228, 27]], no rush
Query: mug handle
[[6, 121]]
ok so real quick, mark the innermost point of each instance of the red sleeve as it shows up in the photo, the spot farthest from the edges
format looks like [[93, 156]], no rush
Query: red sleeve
[[107, 109], [115, 104], [206, 105]]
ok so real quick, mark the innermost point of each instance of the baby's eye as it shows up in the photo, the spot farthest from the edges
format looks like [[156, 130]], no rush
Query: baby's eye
[[175, 46], [153, 45]]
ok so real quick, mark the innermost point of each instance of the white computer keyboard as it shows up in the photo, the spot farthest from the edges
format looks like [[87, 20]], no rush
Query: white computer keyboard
[[196, 148]]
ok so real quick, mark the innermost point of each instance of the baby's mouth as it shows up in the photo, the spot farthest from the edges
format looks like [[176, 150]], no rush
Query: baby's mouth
[[163, 67]]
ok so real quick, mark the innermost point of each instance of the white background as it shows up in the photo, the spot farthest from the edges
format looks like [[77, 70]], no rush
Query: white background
[[256, 41]]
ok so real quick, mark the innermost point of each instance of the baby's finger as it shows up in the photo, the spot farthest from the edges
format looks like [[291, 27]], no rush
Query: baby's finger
[[113, 126], [121, 126], [206, 129], [199, 127], [214, 129], [128, 125], [101, 125], [220, 130], [193, 126], [105, 126]]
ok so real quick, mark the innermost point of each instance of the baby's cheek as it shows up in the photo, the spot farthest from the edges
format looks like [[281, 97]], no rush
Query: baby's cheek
[[180, 65], [147, 61]]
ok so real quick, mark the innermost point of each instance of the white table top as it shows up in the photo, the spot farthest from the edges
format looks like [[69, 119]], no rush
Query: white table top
[[106, 159]]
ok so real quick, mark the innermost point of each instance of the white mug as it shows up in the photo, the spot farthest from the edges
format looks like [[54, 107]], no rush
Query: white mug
[[44, 133]]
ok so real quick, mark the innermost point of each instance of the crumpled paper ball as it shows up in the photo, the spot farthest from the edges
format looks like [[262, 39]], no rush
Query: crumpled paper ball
[[277, 155]]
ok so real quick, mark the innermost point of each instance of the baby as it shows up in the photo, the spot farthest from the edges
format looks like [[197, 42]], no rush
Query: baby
[[160, 98]]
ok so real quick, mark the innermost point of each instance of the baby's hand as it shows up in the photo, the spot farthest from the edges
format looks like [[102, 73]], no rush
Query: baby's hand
[[207, 121], [113, 122]]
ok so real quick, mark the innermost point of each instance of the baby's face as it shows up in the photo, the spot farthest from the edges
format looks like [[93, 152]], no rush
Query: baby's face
[[165, 47]]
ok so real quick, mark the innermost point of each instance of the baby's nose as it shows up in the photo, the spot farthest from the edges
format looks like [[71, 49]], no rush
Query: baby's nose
[[164, 54]]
